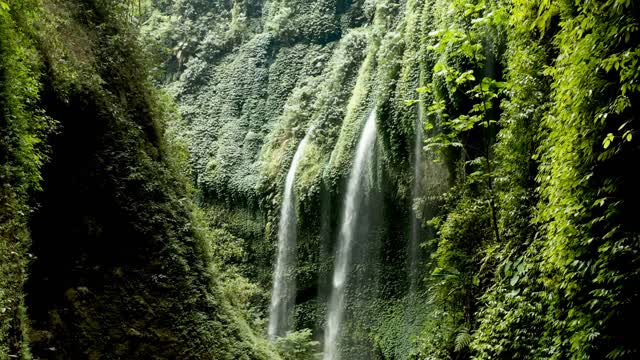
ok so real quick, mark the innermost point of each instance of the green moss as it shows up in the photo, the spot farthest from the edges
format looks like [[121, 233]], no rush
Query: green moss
[[126, 270], [23, 129], [356, 112]]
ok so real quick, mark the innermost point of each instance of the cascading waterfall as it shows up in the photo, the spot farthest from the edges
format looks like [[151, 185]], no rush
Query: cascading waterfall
[[283, 294], [356, 190], [416, 193]]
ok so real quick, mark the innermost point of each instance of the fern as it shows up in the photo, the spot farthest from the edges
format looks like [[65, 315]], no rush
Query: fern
[[463, 339]]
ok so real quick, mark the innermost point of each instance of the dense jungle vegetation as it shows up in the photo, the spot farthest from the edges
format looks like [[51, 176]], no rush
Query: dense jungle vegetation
[[460, 175]]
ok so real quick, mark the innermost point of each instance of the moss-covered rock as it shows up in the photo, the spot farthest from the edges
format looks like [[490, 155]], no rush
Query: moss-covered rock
[[122, 265]]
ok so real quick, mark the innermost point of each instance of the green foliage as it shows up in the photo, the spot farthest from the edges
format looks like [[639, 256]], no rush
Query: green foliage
[[579, 204], [465, 88], [554, 252], [588, 239], [297, 345], [510, 321], [23, 131], [399, 325]]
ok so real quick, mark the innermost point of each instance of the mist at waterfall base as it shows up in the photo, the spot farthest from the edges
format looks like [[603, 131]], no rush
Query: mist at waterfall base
[[283, 294]]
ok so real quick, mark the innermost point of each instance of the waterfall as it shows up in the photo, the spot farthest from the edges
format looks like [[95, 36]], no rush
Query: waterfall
[[283, 293], [356, 190], [417, 192]]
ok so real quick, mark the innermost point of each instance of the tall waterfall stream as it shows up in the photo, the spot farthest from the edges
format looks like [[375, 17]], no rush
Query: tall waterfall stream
[[356, 190], [283, 294]]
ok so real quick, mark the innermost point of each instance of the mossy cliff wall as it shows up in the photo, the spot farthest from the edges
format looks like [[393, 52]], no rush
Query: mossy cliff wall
[[93, 205], [528, 106], [247, 97]]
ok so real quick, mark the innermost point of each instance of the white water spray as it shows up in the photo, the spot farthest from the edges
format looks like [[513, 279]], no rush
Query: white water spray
[[283, 294], [356, 190], [417, 192]]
